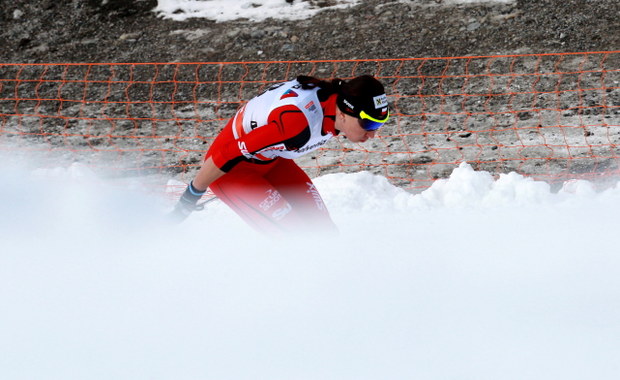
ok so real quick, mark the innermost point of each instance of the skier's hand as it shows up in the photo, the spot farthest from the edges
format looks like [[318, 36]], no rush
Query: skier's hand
[[186, 204]]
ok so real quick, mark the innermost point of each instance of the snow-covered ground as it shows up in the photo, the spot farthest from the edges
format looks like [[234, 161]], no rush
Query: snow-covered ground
[[259, 10], [226, 10], [475, 278]]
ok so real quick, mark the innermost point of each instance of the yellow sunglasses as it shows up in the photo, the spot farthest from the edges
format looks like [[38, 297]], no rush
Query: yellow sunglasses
[[369, 123]]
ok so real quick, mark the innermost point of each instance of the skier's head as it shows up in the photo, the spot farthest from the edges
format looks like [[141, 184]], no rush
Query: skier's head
[[364, 98]]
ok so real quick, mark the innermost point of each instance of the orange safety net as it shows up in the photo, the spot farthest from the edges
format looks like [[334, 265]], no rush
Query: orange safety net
[[549, 116]]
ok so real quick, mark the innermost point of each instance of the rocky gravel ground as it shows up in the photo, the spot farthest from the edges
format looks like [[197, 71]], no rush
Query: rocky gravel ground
[[129, 31]]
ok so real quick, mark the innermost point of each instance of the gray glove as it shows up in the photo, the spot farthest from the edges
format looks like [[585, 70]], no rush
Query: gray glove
[[186, 204]]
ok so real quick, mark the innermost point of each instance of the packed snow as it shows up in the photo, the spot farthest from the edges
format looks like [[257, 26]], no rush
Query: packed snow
[[227, 10], [260, 10], [477, 277]]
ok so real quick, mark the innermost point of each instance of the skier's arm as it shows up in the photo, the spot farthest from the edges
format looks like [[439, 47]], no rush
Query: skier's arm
[[284, 125], [225, 158], [206, 175]]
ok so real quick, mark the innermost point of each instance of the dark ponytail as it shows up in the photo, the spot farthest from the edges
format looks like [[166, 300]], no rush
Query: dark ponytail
[[329, 87], [356, 87]]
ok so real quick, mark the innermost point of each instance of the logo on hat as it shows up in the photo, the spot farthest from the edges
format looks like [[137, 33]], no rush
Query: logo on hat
[[380, 101], [348, 104]]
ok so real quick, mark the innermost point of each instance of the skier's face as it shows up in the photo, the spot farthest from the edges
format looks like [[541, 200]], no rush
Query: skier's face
[[352, 129]]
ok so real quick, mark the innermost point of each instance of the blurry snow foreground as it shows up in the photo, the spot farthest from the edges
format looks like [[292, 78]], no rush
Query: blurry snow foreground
[[474, 278], [259, 10]]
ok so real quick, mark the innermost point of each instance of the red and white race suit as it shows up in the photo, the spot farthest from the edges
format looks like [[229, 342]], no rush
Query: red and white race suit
[[256, 150]]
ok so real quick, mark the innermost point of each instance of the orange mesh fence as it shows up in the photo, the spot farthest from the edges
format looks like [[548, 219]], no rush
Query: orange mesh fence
[[548, 116]]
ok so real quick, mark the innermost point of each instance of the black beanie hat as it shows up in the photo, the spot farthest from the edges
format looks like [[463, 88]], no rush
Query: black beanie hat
[[363, 93]]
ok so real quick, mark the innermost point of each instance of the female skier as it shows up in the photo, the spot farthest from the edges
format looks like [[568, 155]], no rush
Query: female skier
[[250, 164]]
